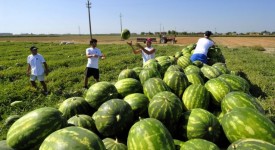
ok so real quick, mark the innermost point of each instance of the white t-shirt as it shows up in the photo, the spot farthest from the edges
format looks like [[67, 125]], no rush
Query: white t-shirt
[[147, 57], [203, 45], [36, 63], [93, 61]]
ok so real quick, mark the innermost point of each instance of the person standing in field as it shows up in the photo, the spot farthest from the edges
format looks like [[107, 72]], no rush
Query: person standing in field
[[93, 54], [201, 50], [35, 68], [147, 52]]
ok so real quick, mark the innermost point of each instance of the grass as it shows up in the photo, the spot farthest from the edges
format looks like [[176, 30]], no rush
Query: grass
[[67, 64]]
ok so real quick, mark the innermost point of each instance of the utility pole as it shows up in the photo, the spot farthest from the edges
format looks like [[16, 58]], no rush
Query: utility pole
[[120, 24], [79, 30], [89, 6]]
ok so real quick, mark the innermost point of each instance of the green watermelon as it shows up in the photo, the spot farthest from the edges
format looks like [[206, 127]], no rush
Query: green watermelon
[[29, 131], [148, 73], [236, 83], [125, 34], [152, 63], [113, 117], [221, 67], [100, 92], [83, 121], [162, 58], [150, 134], [210, 72], [127, 73], [192, 69], [128, 86], [199, 144], [139, 104], [177, 82], [137, 70], [73, 106], [174, 68], [240, 99], [218, 89], [178, 143], [245, 122], [153, 86], [249, 143], [167, 108], [178, 54], [199, 123], [112, 144], [195, 78], [195, 96], [164, 66], [184, 61], [72, 138]]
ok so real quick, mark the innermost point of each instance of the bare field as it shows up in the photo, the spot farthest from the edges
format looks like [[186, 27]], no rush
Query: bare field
[[267, 42]]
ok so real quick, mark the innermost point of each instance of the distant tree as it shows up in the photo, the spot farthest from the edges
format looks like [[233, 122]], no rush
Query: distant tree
[[142, 33]]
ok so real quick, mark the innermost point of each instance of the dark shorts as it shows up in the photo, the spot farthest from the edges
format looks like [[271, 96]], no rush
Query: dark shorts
[[200, 57], [92, 72]]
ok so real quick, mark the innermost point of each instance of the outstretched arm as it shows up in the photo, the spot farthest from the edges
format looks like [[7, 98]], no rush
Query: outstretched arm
[[146, 51], [135, 51]]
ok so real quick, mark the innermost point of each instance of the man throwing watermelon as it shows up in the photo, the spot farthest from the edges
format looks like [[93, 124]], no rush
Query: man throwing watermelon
[[147, 52]]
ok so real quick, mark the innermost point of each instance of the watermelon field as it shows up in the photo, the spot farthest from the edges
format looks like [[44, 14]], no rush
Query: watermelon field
[[167, 103]]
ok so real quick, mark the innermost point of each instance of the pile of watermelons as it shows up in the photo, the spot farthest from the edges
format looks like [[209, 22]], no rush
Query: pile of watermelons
[[169, 103]]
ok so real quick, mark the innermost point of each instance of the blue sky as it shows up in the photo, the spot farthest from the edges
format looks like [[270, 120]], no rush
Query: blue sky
[[71, 16]]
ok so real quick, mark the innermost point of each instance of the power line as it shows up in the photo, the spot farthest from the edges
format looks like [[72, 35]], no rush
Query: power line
[[89, 6]]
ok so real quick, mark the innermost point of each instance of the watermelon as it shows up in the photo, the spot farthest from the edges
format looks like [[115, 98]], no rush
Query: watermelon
[[152, 63], [195, 78], [113, 117], [240, 99], [178, 54], [174, 68], [167, 108], [100, 92], [245, 122], [192, 69], [113, 144], [128, 86], [184, 61], [177, 82], [249, 143], [199, 144], [164, 66], [139, 104], [73, 106], [148, 73], [72, 138], [127, 73], [150, 134], [178, 143], [218, 89], [83, 121], [199, 123], [125, 34], [162, 58], [30, 130], [195, 96], [153, 86], [236, 83], [137, 70], [221, 67], [210, 72]]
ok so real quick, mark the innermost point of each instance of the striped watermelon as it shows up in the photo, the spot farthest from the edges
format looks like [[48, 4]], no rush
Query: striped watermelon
[[178, 54], [236, 83], [164, 66], [195, 96], [128, 86], [221, 67], [199, 123], [152, 63], [199, 144], [177, 81], [150, 134], [137, 70], [192, 69], [167, 108], [195, 78], [178, 143], [127, 73], [100, 92], [218, 89], [246, 122], [83, 121], [75, 105], [240, 99], [148, 73], [162, 58], [139, 104], [174, 68], [153, 86], [29, 131], [184, 61], [113, 144], [113, 117], [249, 143], [210, 72], [72, 138]]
